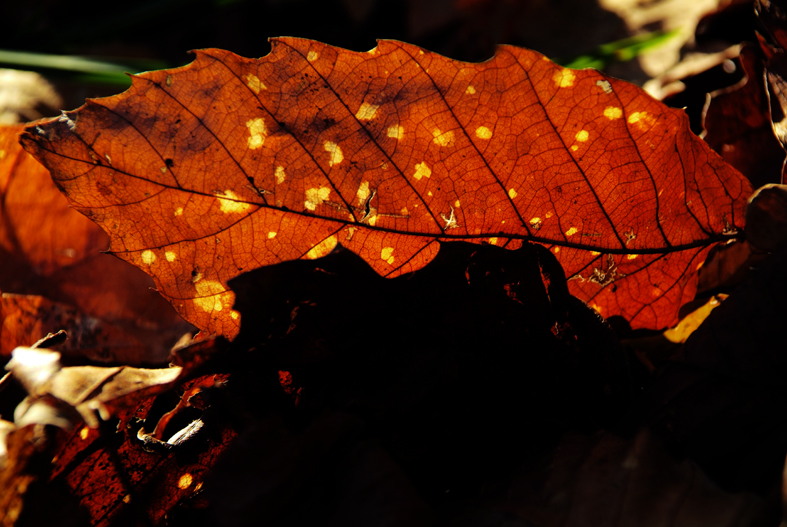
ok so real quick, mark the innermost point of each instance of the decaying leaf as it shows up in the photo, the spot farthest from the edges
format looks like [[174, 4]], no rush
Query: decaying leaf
[[738, 126], [84, 389], [228, 164]]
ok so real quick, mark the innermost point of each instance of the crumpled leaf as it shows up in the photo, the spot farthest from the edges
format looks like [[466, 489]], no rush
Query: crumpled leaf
[[228, 164], [85, 389], [118, 477], [738, 126]]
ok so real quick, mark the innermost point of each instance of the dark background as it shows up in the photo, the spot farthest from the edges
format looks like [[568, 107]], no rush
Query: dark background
[[156, 34]]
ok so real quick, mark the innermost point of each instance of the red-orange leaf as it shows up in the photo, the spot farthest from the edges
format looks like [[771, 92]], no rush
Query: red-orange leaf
[[228, 164]]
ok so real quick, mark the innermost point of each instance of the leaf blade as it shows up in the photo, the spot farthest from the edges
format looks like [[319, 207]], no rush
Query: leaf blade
[[389, 152]]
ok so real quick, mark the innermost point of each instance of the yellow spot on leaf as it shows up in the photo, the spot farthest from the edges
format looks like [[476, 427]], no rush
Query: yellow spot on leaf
[[366, 112], [212, 295], [405, 212], [254, 83], [169, 80], [257, 132], [396, 131], [457, 204], [280, 175], [235, 315], [84, 433], [564, 78], [582, 136], [512, 193], [336, 153], [429, 193], [643, 120], [556, 250], [572, 231], [604, 85], [363, 192], [163, 170], [548, 215], [574, 148], [2, 154], [316, 196], [493, 241], [482, 132], [443, 138], [613, 112], [535, 221], [179, 211], [595, 253], [631, 256], [387, 255], [322, 248], [148, 257], [229, 204], [597, 308], [185, 481], [470, 90], [271, 235], [312, 56], [421, 170], [170, 256]]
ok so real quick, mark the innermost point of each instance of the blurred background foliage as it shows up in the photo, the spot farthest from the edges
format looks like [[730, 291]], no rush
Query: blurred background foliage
[[85, 47]]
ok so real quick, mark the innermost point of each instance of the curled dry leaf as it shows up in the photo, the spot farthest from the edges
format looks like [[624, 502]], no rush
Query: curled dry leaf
[[86, 389], [737, 124], [228, 164]]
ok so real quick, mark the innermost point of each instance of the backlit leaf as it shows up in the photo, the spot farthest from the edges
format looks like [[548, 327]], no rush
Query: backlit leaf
[[228, 164]]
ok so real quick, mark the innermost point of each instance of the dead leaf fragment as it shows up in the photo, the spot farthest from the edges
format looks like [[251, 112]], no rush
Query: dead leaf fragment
[[86, 389]]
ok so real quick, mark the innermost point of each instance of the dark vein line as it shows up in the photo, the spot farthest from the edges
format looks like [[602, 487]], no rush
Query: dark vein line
[[686, 194], [291, 133], [143, 136], [576, 163], [219, 141], [334, 233], [371, 137], [470, 140], [642, 160], [410, 259], [561, 243]]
